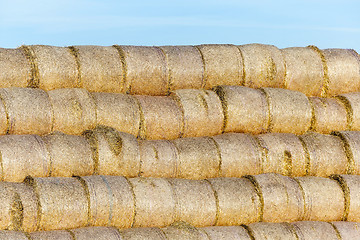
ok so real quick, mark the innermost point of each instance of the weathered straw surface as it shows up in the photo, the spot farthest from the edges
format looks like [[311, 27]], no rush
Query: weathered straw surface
[[119, 111], [51, 235], [9, 207], [111, 201], [101, 69], [143, 234], [308, 230], [74, 110], [326, 154], [202, 112], [28, 110], [4, 122], [290, 111], [352, 103], [351, 142], [240, 155], [279, 231], [324, 199], [222, 64], [347, 230], [245, 109], [185, 66], [304, 70], [161, 117], [98, 233], [182, 230], [284, 153], [329, 115], [264, 66], [12, 235], [226, 232], [198, 158]]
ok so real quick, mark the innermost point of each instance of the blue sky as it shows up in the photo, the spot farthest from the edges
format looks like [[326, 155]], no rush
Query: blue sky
[[325, 23]]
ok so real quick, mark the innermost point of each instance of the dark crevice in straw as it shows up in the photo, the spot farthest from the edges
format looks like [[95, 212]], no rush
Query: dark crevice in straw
[[31, 182], [119, 235], [75, 52], [34, 80], [307, 156], [346, 191], [16, 212], [284, 83], [204, 76], [216, 196], [87, 194], [7, 115], [293, 230], [218, 150], [313, 116], [349, 111], [303, 196], [91, 138], [259, 193], [181, 107], [28, 235], [122, 56], [167, 71], [270, 117], [326, 81], [142, 125], [71, 234], [243, 67], [221, 93], [249, 231], [264, 151], [338, 235], [52, 112], [288, 163], [163, 235], [134, 197], [349, 155], [176, 199]]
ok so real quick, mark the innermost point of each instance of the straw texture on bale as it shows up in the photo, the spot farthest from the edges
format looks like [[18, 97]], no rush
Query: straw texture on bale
[[185, 66], [329, 114], [279, 231], [202, 112], [308, 230], [226, 232], [182, 230], [352, 103], [223, 65], [245, 109], [74, 110], [96, 233], [326, 154], [351, 141], [289, 111], [51, 235], [264, 66], [111, 201], [100, 69], [4, 121], [347, 230], [12, 235], [143, 234], [119, 111], [28, 110], [9, 207], [161, 118]]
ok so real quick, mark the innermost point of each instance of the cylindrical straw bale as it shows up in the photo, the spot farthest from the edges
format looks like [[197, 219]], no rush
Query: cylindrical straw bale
[[63, 203], [198, 158], [308, 230], [284, 153], [15, 68], [226, 232], [101, 69], [57, 67], [264, 66], [347, 230], [96, 233], [74, 110], [223, 65], [282, 198], [115, 153], [237, 200], [10, 207], [161, 117], [196, 202], [23, 155], [240, 154], [245, 109], [159, 158], [329, 115], [326, 153], [119, 111], [202, 112], [304, 70], [182, 230], [343, 70], [324, 199], [290, 111], [352, 103], [279, 231], [29, 110], [186, 68], [146, 71], [143, 234], [12, 235], [351, 140], [155, 202], [51, 235], [70, 155], [111, 201]]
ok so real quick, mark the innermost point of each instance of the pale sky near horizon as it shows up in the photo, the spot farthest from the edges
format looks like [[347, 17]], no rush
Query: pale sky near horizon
[[324, 23]]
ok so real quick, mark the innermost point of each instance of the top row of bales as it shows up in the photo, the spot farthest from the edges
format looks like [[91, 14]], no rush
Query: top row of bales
[[144, 70]]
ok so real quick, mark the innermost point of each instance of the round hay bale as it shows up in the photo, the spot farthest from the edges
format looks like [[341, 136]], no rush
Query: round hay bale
[[284, 154], [343, 70], [15, 68], [63, 203], [238, 202], [226, 232], [96, 233], [347, 230], [326, 154], [282, 198], [100, 68], [183, 230], [10, 207], [70, 155], [198, 158], [28, 110], [74, 110], [23, 155], [352, 104], [115, 153], [329, 115], [279, 231], [161, 117], [154, 202], [13, 235], [324, 199], [196, 202], [146, 70], [315, 230], [264, 66], [245, 109], [143, 234], [185, 66], [51, 235], [304, 71], [223, 65], [202, 112], [111, 201], [159, 158], [240, 154], [119, 111], [290, 111]]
